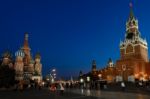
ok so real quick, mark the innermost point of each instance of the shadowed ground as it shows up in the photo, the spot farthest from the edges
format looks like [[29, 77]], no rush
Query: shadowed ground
[[70, 94], [41, 94]]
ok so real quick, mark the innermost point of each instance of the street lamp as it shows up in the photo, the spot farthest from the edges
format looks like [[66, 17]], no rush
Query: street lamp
[[47, 79], [81, 83], [88, 82], [99, 75], [81, 80], [88, 78], [53, 75], [52, 80], [53, 70]]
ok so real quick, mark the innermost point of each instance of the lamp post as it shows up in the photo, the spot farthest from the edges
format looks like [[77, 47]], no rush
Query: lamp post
[[53, 70], [81, 82], [99, 82], [88, 82], [88, 79], [53, 75], [100, 76]]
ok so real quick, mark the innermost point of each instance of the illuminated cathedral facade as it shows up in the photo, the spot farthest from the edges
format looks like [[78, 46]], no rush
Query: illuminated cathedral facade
[[26, 67], [133, 64]]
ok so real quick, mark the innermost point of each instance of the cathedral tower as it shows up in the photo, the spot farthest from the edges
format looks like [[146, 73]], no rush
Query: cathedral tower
[[6, 58], [19, 65], [38, 65], [26, 50]]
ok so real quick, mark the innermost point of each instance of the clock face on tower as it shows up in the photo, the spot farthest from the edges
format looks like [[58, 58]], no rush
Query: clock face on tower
[[129, 49], [123, 67], [130, 36]]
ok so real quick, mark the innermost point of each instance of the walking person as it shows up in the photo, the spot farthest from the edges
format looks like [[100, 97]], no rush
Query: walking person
[[61, 88], [21, 85], [123, 86]]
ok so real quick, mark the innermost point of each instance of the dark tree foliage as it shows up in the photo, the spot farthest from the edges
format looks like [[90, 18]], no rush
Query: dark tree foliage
[[7, 76]]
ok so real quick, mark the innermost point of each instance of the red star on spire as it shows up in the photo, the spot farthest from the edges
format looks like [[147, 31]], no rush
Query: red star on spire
[[130, 4]]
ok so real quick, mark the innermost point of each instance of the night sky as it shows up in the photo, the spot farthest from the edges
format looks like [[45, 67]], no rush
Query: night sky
[[69, 34]]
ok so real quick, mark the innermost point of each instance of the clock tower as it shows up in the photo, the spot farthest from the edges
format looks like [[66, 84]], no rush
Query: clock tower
[[133, 50], [134, 46]]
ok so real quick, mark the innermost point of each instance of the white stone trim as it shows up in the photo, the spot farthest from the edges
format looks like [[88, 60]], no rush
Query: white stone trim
[[140, 41], [126, 48], [135, 45]]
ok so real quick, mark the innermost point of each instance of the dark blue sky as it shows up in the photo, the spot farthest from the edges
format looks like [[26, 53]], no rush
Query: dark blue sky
[[70, 33]]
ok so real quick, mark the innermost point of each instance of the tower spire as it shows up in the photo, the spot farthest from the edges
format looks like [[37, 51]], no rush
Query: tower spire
[[132, 25], [94, 65], [26, 40], [131, 15]]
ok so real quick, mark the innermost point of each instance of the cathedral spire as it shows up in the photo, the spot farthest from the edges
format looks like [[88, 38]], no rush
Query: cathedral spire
[[26, 40], [26, 50]]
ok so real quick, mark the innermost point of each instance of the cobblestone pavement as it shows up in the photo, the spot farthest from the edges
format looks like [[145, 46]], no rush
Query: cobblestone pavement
[[109, 94], [70, 94], [41, 94]]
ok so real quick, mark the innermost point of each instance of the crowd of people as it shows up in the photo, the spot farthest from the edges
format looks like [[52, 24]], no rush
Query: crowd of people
[[61, 87], [57, 87], [23, 85]]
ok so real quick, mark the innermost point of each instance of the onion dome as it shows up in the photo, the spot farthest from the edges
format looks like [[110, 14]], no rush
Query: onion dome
[[38, 56], [20, 53], [7, 54], [31, 61]]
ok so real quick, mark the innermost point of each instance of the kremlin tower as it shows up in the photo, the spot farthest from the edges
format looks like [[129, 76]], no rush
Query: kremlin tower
[[93, 66], [134, 46], [133, 51]]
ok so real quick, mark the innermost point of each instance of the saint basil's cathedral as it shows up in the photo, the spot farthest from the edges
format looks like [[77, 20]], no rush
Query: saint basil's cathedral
[[133, 64], [26, 68]]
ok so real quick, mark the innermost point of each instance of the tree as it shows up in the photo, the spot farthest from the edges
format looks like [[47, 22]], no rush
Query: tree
[[7, 76]]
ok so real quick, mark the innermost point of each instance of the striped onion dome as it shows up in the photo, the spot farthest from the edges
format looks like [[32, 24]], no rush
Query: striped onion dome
[[7, 54], [20, 53]]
